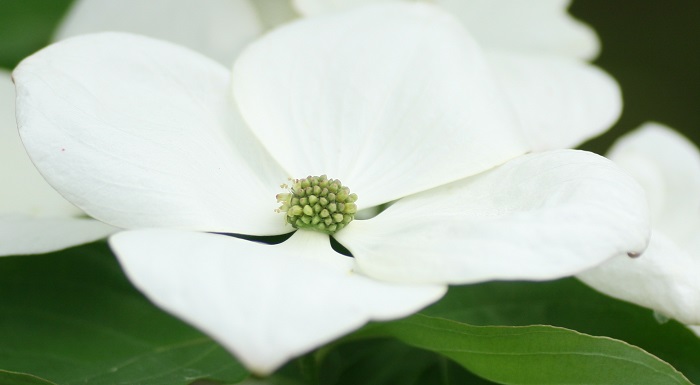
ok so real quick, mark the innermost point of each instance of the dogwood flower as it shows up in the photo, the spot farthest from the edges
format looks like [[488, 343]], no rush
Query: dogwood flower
[[33, 217], [395, 101], [665, 276], [534, 48]]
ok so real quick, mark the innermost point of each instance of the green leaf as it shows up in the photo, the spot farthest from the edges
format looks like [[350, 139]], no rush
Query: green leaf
[[26, 26], [533, 354], [389, 362], [13, 378], [571, 304], [374, 361], [71, 317]]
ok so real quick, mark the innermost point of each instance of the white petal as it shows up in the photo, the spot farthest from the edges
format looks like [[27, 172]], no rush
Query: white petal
[[561, 101], [391, 99], [217, 28], [34, 218], [663, 278], [21, 234], [23, 190], [142, 133], [541, 216], [535, 26], [266, 304], [695, 329], [667, 165]]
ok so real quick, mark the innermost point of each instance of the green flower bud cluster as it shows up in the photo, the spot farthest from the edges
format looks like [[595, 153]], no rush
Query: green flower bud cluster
[[318, 203]]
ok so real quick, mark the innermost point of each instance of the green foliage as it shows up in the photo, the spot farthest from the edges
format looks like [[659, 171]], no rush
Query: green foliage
[[71, 317], [27, 26], [571, 304], [12, 378], [534, 354]]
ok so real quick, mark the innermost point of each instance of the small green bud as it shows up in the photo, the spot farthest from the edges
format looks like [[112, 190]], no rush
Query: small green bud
[[308, 210], [318, 203], [350, 208], [295, 211]]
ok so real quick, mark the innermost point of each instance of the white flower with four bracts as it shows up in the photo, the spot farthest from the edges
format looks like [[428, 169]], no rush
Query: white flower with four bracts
[[396, 101]]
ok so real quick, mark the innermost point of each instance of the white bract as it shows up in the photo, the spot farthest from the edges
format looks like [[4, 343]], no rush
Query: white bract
[[535, 49], [538, 52], [33, 217], [665, 276], [396, 101]]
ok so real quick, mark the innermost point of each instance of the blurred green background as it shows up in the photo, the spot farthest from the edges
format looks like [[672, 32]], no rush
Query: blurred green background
[[652, 47]]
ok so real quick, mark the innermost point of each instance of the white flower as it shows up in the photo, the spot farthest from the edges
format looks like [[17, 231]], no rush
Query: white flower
[[665, 276], [395, 100]]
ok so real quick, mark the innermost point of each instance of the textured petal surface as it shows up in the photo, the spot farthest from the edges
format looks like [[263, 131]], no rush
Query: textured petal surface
[[535, 26], [541, 216], [34, 218], [663, 278], [22, 234], [390, 99], [561, 101], [667, 165], [24, 190], [265, 303], [142, 133], [217, 28]]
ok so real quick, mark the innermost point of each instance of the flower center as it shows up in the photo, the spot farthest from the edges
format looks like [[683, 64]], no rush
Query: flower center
[[318, 203]]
